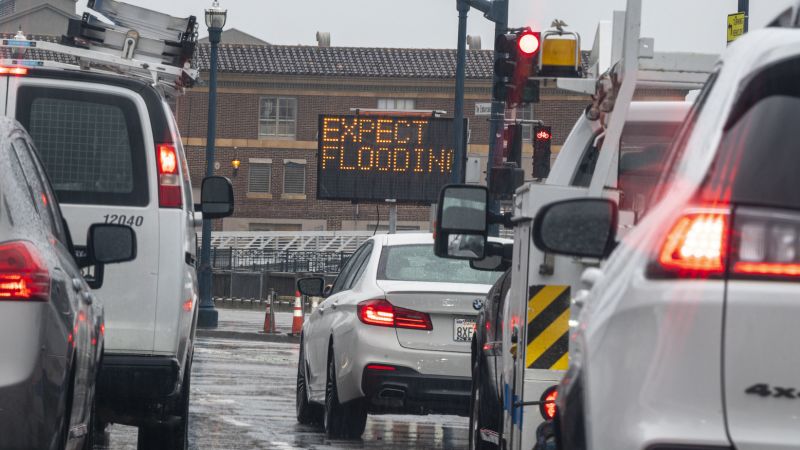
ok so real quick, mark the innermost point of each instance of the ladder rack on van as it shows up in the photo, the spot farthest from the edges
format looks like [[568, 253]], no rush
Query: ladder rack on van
[[162, 74], [138, 42]]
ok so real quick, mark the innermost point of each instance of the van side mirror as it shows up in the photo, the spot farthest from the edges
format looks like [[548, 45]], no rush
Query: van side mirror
[[462, 222], [216, 197], [584, 227]]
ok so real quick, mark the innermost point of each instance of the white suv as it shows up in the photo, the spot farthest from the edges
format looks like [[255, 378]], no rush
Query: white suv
[[112, 150], [688, 338]]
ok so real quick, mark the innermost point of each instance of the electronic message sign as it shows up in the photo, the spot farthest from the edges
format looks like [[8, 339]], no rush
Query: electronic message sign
[[368, 157]]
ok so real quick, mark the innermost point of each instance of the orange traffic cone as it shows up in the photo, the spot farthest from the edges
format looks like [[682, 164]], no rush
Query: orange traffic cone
[[269, 318], [297, 320]]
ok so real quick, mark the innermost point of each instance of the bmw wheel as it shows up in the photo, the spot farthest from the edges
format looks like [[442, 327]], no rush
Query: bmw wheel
[[347, 420]]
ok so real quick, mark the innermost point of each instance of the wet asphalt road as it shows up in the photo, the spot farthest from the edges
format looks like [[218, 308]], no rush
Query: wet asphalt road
[[243, 395]]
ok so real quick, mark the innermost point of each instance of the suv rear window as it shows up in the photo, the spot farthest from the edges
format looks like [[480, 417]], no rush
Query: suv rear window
[[91, 144], [758, 158], [419, 263]]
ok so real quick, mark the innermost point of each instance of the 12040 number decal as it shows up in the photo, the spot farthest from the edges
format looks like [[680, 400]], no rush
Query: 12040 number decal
[[122, 219], [764, 390]]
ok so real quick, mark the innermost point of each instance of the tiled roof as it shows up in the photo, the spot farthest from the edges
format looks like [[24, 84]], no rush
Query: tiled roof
[[345, 61], [324, 61]]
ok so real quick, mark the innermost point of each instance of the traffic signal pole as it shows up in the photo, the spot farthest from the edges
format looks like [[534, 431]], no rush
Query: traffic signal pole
[[461, 70], [744, 6], [497, 12]]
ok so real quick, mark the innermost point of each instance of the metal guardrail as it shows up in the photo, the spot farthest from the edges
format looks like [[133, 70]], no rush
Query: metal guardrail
[[258, 260], [318, 241]]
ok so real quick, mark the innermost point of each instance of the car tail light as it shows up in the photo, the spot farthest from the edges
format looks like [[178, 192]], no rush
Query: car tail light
[[380, 312], [18, 71], [695, 246], [547, 405], [23, 275], [381, 367], [169, 179], [765, 244]]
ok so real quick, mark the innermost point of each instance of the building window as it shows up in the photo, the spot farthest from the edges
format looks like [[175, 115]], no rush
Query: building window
[[524, 113], [396, 104], [278, 117], [294, 177], [260, 177]]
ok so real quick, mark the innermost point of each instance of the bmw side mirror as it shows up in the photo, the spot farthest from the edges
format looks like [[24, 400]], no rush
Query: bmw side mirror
[[462, 222], [584, 227], [216, 198], [498, 258], [311, 287]]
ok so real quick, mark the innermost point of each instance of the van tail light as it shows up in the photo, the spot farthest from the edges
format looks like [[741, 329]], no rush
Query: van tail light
[[23, 274], [380, 312], [169, 179]]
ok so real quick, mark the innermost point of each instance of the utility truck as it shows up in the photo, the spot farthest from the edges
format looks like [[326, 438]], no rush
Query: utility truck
[[614, 151]]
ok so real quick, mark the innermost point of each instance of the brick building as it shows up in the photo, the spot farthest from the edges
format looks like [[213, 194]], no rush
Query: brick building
[[269, 100]]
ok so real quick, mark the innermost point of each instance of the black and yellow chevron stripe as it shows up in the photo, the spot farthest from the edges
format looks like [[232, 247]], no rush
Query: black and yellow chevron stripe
[[548, 328]]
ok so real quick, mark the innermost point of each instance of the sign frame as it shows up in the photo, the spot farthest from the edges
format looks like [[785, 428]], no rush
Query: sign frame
[[422, 199]]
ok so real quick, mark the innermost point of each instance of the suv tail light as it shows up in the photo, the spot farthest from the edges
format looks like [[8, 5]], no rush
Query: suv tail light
[[23, 275], [169, 179], [750, 243], [765, 244], [381, 313], [695, 245]]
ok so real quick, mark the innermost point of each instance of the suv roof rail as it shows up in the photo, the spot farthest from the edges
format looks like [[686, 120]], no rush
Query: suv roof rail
[[140, 42]]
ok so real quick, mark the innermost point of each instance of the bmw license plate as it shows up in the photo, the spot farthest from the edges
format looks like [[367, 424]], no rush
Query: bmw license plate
[[463, 329]]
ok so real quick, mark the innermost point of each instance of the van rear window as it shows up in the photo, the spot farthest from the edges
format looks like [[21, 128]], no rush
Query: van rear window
[[91, 145]]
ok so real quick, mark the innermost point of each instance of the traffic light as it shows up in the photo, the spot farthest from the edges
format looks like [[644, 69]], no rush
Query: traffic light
[[517, 59], [513, 141], [542, 137]]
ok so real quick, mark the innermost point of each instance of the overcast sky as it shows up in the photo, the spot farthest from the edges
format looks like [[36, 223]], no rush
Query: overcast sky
[[676, 25]]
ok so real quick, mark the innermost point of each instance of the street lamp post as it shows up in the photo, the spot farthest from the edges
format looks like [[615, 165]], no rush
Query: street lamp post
[[215, 20]]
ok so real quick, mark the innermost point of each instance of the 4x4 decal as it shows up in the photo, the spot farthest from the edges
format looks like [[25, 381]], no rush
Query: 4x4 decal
[[764, 390]]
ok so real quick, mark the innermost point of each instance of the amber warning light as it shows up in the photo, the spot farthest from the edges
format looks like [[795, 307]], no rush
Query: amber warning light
[[408, 159]]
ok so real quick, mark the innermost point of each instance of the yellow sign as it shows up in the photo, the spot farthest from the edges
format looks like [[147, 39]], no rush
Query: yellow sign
[[559, 52], [548, 328], [735, 26]]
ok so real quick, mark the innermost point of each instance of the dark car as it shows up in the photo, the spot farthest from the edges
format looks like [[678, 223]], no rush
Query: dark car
[[51, 325], [486, 406]]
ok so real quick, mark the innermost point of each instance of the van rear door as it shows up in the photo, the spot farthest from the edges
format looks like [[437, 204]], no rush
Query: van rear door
[[93, 141]]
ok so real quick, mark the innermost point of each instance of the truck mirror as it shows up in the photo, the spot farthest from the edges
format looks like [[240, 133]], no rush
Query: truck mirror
[[462, 222], [216, 197], [579, 227]]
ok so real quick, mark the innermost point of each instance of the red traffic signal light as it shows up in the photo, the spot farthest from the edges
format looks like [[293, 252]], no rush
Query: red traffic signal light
[[543, 134], [528, 43]]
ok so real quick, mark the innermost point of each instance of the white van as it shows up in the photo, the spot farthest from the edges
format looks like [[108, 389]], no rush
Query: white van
[[111, 147]]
